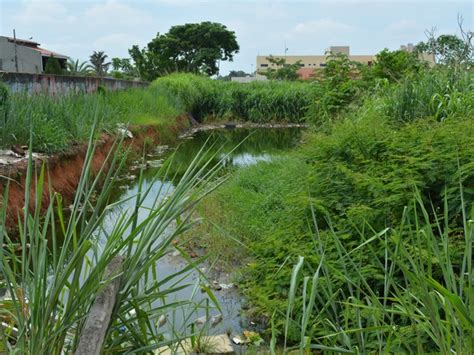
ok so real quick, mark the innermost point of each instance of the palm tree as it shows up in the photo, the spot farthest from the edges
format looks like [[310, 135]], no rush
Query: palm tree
[[97, 60], [75, 67]]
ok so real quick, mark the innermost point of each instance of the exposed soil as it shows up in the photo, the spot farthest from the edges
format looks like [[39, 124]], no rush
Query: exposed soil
[[64, 169]]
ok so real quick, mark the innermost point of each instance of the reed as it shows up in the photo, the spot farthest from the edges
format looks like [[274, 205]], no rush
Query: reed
[[53, 269]]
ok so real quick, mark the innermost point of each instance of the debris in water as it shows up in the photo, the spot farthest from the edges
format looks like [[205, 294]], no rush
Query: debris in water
[[162, 320], [215, 320]]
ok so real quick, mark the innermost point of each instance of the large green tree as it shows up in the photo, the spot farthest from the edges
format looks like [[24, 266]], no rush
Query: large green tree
[[193, 47], [394, 65], [448, 49]]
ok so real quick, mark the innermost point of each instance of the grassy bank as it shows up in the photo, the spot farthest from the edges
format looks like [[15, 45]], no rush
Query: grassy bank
[[378, 203], [56, 122]]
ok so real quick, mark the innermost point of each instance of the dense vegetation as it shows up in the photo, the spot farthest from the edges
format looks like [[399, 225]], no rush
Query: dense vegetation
[[56, 122], [378, 202], [374, 209]]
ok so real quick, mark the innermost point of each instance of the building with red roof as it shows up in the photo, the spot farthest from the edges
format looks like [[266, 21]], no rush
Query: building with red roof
[[25, 56]]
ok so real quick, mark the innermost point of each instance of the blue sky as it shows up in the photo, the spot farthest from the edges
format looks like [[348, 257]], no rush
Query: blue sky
[[76, 28]]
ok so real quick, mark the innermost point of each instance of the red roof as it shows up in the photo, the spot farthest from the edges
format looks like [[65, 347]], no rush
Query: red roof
[[46, 53]]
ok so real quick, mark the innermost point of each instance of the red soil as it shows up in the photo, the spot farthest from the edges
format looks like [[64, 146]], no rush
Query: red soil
[[64, 170]]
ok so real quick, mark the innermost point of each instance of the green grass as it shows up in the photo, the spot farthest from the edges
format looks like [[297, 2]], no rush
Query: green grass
[[54, 269], [56, 122], [374, 204], [259, 102]]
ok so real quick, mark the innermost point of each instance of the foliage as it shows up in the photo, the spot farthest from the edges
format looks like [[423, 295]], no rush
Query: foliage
[[394, 65], [53, 66], [365, 202], [448, 49], [439, 94], [58, 121], [422, 303], [98, 62], [74, 67], [255, 102], [193, 47], [123, 68], [55, 268], [283, 70], [340, 87]]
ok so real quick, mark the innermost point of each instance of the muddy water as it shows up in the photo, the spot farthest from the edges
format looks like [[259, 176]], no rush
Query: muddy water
[[240, 148]]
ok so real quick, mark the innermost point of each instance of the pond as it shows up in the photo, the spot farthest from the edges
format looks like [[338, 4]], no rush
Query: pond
[[235, 149]]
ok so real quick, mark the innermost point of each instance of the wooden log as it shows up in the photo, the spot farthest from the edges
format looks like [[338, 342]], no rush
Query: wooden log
[[95, 328]]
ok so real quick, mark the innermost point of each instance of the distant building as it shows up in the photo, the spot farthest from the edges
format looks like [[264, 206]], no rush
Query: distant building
[[310, 63], [30, 58], [248, 78], [427, 57]]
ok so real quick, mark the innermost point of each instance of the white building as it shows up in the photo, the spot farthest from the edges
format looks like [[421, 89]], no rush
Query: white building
[[25, 56]]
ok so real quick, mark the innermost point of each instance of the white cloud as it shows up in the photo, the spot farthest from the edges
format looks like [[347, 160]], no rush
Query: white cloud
[[116, 42], [324, 27], [402, 27], [44, 12], [114, 12]]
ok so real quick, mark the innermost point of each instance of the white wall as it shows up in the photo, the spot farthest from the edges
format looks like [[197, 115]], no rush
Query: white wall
[[29, 60]]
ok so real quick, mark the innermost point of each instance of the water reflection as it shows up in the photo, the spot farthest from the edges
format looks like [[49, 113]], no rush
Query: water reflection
[[232, 148]]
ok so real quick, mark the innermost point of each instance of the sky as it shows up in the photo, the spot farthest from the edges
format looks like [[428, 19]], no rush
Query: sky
[[77, 28]]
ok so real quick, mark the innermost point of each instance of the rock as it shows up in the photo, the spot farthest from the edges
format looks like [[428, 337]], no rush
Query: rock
[[18, 150], [216, 286], [175, 253], [215, 320]]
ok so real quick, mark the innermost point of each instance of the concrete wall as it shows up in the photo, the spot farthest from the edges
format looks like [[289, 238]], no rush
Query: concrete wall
[[63, 84], [29, 60]]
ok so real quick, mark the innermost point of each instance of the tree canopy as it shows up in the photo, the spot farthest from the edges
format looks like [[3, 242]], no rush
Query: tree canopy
[[449, 49], [393, 65], [53, 66], [193, 47]]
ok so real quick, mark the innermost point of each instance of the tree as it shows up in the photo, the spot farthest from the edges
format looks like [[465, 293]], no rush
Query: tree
[[283, 70], [97, 60], [394, 65], [75, 67], [53, 66], [123, 68], [193, 47], [449, 50]]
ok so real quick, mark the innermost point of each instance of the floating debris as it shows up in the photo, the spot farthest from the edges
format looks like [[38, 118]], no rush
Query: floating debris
[[155, 163]]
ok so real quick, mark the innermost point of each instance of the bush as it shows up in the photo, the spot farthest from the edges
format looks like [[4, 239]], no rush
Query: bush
[[368, 171]]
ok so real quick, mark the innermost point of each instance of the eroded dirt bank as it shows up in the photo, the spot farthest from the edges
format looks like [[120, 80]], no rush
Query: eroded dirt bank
[[64, 169]]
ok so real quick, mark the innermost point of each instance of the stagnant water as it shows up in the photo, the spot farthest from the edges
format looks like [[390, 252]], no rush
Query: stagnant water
[[240, 148]]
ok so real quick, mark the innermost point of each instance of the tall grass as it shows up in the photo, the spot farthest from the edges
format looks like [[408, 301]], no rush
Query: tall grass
[[256, 102], [439, 94], [54, 269], [424, 303], [58, 121]]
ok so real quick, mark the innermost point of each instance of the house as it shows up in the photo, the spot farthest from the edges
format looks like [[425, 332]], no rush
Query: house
[[25, 56]]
